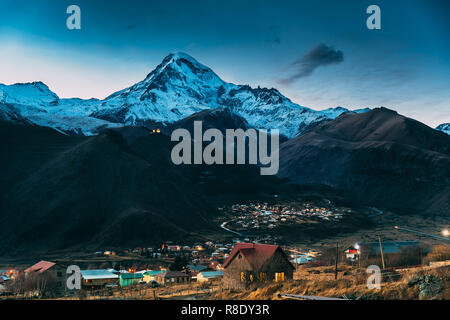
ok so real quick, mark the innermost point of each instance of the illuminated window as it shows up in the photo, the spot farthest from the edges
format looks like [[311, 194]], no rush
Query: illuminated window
[[251, 278], [279, 276], [262, 276], [242, 276]]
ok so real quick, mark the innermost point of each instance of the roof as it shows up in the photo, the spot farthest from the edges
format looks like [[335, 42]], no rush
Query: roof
[[211, 274], [174, 274], [255, 253], [141, 271], [196, 268], [40, 267], [351, 249], [98, 274], [131, 275], [303, 259], [153, 272]]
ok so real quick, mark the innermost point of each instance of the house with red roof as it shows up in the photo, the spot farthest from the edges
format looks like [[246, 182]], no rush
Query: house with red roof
[[52, 276], [40, 267], [252, 263]]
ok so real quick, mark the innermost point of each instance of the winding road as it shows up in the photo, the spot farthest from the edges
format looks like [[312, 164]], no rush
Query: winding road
[[229, 230], [377, 213]]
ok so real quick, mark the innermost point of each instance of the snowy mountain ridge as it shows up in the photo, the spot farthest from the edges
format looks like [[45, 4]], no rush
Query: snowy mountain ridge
[[444, 127], [177, 88]]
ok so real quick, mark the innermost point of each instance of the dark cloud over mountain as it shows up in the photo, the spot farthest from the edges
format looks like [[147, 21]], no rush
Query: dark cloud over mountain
[[320, 55]]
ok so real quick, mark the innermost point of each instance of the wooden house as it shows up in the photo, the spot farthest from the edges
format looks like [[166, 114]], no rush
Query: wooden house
[[251, 263], [50, 273], [172, 277]]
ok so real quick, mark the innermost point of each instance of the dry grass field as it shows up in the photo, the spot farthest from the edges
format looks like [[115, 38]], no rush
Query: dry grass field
[[410, 284]]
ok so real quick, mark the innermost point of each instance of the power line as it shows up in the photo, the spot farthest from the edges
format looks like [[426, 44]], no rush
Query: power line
[[422, 233]]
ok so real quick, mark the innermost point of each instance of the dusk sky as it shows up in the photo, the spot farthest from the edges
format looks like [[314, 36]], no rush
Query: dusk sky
[[320, 54]]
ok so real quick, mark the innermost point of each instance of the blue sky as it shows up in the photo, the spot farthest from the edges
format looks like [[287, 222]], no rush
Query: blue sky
[[404, 66]]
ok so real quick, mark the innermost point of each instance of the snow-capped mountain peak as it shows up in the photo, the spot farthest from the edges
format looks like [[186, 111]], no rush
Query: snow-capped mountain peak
[[444, 127], [178, 87], [183, 63], [34, 93]]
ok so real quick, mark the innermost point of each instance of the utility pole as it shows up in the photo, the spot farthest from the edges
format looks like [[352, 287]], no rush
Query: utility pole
[[337, 257], [421, 258], [381, 251], [359, 259]]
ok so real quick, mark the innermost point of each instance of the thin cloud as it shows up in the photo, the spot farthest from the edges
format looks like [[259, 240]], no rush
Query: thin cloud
[[272, 35], [320, 55]]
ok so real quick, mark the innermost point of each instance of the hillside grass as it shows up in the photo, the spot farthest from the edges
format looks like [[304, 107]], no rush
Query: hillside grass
[[319, 281]]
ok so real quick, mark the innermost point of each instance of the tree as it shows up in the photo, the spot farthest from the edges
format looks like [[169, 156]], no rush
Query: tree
[[41, 284], [439, 253], [179, 263], [44, 284], [17, 285]]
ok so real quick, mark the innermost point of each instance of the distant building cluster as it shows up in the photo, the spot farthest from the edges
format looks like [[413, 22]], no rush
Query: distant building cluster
[[264, 216]]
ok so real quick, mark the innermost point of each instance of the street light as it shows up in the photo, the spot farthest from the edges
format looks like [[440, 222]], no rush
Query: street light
[[445, 232]]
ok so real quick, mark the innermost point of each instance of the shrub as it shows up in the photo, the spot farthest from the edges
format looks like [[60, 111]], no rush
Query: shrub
[[439, 253]]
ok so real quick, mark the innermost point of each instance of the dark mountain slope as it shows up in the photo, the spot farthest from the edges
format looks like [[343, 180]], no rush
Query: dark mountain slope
[[24, 149], [117, 189], [95, 191], [221, 119], [378, 157], [382, 124]]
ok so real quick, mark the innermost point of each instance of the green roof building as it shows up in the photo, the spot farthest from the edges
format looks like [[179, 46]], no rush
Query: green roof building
[[128, 279]]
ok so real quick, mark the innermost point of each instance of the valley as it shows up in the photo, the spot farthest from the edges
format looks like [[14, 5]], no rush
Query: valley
[[104, 176]]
